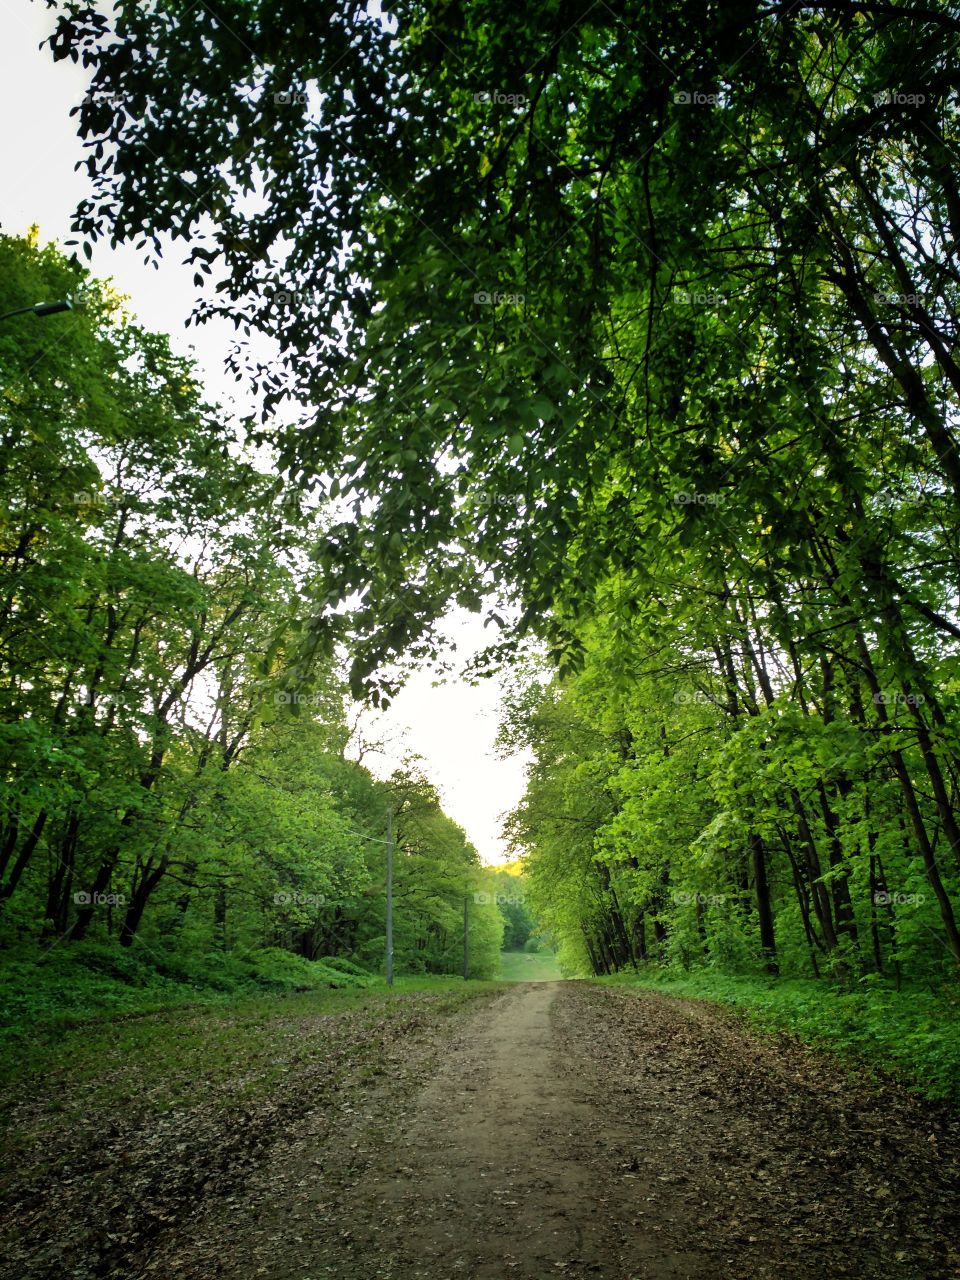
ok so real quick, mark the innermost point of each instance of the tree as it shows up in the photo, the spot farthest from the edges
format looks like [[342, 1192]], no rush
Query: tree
[[172, 777], [644, 319], [558, 258]]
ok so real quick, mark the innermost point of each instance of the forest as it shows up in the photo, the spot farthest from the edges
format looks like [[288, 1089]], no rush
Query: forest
[[652, 364], [631, 330], [173, 786]]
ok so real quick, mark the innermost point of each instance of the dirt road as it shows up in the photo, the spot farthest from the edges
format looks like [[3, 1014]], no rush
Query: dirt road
[[554, 1129], [571, 1130]]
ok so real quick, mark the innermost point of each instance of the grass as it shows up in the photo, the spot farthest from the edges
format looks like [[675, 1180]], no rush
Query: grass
[[225, 1056], [234, 1048], [524, 966], [104, 994], [913, 1034]]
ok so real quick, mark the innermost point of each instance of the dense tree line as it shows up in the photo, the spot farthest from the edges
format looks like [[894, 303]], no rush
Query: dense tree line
[[170, 775], [650, 317], [506, 886], [676, 815]]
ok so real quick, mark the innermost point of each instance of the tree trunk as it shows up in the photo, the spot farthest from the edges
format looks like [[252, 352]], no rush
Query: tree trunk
[[768, 942]]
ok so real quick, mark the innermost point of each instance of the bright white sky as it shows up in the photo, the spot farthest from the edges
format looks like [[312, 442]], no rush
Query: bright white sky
[[452, 726]]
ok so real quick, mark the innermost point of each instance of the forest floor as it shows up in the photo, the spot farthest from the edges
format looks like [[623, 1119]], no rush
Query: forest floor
[[542, 1130]]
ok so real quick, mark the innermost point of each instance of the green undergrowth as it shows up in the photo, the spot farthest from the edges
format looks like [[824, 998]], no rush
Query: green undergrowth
[[215, 1038], [913, 1034], [91, 979], [73, 987]]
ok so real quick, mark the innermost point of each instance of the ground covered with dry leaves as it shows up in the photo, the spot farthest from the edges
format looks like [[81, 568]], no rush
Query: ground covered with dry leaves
[[552, 1129]]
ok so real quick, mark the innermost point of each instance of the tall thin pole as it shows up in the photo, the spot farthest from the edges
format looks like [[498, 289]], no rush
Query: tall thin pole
[[466, 935], [389, 896]]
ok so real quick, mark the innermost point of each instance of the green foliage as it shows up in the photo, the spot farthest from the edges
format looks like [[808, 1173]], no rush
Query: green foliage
[[178, 812], [506, 888], [590, 290], [93, 980], [646, 318]]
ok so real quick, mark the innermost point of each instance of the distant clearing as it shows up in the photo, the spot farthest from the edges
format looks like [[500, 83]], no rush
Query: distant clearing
[[523, 966]]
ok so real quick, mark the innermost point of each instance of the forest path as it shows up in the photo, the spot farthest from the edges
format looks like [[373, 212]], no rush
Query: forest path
[[566, 1129]]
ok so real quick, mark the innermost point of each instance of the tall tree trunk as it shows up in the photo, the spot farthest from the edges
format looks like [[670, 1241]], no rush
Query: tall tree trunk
[[24, 856], [768, 941], [148, 880]]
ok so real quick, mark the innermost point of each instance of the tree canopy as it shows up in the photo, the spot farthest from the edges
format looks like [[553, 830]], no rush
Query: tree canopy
[[539, 276], [644, 319]]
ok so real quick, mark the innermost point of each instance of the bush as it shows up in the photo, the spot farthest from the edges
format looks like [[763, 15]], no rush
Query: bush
[[93, 980]]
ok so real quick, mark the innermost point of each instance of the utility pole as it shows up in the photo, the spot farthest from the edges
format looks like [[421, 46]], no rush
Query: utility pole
[[466, 942], [389, 843], [390, 897]]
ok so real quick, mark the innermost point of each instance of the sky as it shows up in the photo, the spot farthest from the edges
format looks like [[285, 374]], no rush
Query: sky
[[452, 726]]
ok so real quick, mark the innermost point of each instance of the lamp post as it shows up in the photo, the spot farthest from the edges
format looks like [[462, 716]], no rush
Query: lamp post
[[389, 897], [389, 843], [41, 309], [466, 937]]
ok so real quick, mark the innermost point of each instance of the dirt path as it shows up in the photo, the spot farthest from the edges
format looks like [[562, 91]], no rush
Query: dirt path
[[571, 1130], [558, 1129]]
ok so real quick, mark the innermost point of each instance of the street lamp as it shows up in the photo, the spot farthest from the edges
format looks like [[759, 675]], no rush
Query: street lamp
[[389, 843], [41, 309]]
